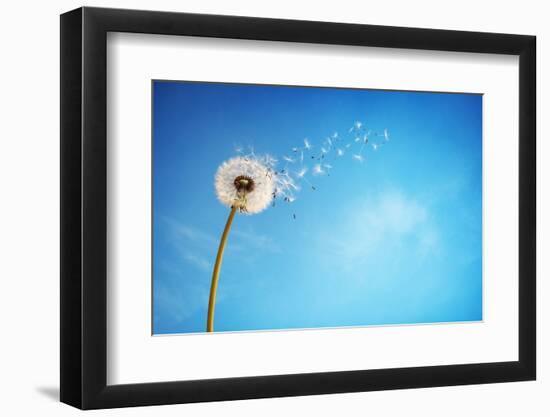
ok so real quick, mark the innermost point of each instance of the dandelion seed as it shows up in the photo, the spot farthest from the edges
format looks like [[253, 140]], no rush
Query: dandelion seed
[[289, 184], [339, 152], [375, 146], [301, 173], [288, 159], [327, 166], [335, 135], [295, 149], [307, 145], [358, 125], [318, 170], [269, 160], [386, 135], [323, 150], [329, 141], [358, 157]]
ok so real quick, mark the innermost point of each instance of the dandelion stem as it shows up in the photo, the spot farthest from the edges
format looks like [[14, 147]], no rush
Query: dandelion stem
[[216, 273]]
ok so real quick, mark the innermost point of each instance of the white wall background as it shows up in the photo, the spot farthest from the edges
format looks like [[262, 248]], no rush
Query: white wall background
[[29, 211]]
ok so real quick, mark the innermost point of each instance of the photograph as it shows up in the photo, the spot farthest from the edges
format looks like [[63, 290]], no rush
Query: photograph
[[279, 208]]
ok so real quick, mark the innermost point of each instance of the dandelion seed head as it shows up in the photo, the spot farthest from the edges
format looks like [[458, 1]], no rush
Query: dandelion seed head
[[242, 181]]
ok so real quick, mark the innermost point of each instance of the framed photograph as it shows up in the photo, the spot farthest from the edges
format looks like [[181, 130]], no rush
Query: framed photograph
[[260, 208]]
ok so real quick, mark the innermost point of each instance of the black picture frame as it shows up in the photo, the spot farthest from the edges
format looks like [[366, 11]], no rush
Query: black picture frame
[[84, 207]]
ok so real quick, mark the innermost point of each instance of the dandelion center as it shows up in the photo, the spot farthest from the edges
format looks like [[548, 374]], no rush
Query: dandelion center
[[244, 184]]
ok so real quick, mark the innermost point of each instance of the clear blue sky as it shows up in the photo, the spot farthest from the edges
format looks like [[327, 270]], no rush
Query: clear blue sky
[[393, 240]]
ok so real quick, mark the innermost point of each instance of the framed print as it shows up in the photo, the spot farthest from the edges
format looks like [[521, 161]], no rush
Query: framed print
[[256, 208]]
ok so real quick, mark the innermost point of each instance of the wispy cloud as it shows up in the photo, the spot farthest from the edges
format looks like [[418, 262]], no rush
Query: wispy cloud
[[198, 261], [381, 224], [251, 239], [178, 301], [198, 247], [393, 212], [190, 233]]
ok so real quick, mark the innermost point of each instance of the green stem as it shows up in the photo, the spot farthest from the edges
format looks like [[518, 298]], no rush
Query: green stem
[[216, 273]]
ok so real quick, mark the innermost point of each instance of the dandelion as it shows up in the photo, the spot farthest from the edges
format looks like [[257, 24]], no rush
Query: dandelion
[[249, 183], [241, 184]]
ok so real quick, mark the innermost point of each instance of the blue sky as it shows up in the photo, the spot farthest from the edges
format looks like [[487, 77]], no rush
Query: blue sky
[[396, 239]]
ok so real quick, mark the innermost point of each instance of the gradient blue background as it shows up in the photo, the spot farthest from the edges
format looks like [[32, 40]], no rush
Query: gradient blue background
[[394, 240]]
